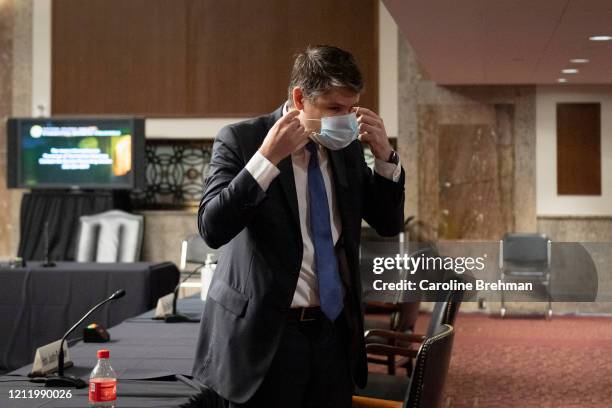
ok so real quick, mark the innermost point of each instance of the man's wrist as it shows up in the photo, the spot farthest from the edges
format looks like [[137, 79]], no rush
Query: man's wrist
[[262, 170], [271, 158], [383, 153]]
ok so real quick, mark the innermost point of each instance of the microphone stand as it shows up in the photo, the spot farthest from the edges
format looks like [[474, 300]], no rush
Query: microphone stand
[[48, 263], [61, 380], [176, 317]]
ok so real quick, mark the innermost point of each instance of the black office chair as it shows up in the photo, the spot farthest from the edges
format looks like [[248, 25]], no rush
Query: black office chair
[[424, 389], [525, 257], [444, 312]]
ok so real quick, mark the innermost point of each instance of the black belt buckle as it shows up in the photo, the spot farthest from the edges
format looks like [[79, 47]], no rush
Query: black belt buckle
[[304, 319]]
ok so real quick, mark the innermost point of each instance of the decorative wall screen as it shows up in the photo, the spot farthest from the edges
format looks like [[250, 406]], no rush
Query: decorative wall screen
[[175, 174]]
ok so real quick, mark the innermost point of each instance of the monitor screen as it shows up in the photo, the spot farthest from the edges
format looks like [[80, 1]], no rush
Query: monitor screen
[[76, 153]]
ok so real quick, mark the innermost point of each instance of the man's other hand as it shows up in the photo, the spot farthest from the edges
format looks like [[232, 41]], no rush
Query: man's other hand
[[372, 131], [285, 137]]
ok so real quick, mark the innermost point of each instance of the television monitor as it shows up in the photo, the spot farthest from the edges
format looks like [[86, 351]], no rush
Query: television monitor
[[76, 153]]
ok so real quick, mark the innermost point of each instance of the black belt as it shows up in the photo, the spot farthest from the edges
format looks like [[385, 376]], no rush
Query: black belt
[[305, 314]]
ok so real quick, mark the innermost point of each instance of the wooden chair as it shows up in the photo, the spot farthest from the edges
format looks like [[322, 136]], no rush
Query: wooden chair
[[382, 342], [402, 318]]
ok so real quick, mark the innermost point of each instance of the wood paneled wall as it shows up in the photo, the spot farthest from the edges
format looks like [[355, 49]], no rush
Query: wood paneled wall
[[174, 58], [579, 148]]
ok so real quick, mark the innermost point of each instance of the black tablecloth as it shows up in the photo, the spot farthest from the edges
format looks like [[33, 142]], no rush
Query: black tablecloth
[[147, 355], [142, 348], [37, 305]]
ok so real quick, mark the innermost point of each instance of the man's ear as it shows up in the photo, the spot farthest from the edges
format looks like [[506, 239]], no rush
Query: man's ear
[[298, 98]]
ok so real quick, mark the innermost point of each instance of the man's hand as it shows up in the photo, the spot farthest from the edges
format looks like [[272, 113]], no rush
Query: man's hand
[[372, 131], [286, 136]]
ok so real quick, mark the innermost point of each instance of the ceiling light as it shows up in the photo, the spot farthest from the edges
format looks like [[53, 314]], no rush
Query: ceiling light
[[562, 80], [570, 71], [600, 38], [579, 61]]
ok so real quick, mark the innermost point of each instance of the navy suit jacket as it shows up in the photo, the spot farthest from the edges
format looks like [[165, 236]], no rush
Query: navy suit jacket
[[257, 272]]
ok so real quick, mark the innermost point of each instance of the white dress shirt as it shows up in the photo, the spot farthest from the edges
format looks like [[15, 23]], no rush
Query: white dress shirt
[[264, 172]]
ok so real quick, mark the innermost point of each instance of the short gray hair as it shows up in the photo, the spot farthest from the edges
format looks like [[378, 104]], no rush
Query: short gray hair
[[319, 69]]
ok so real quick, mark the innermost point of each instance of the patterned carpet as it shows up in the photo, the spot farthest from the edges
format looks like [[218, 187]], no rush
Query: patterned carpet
[[566, 362]]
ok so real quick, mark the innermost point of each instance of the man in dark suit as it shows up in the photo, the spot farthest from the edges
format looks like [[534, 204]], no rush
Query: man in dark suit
[[285, 197]]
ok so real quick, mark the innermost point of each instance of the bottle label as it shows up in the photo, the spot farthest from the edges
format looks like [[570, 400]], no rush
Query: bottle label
[[102, 389]]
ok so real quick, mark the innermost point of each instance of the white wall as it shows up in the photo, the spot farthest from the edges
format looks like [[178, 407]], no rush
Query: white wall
[[548, 202], [208, 127], [388, 86]]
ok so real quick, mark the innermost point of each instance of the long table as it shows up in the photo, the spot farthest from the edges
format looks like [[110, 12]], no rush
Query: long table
[[148, 356], [136, 394], [38, 304]]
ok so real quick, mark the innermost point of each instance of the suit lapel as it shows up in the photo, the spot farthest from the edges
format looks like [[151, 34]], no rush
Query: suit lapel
[[286, 179], [287, 182], [339, 167]]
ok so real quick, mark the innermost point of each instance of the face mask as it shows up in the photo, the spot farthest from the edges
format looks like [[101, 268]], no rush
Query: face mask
[[337, 132]]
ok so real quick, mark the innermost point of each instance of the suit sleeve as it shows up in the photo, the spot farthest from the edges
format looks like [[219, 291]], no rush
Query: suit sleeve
[[383, 202], [231, 193]]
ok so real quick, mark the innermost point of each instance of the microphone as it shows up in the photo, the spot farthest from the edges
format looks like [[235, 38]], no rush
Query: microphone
[[61, 380], [176, 317], [117, 295], [48, 262]]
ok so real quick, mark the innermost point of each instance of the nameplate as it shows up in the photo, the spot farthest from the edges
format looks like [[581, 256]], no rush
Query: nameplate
[[45, 359], [164, 306]]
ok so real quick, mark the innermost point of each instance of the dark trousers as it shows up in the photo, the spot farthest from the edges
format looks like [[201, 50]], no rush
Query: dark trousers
[[310, 368]]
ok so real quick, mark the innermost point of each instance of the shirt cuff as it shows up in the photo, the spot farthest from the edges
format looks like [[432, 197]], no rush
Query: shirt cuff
[[262, 170], [390, 171]]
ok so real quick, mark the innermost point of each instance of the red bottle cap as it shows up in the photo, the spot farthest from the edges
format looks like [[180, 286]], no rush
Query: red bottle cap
[[103, 354]]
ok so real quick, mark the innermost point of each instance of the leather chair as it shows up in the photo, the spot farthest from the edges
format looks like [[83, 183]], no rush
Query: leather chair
[[111, 236], [424, 389], [444, 312], [525, 257]]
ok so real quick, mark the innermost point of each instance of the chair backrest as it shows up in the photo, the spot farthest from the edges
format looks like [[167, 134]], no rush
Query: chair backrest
[[111, 236], [405, 317], [194, 250], [525, 249], [445, 311], [426, 389]]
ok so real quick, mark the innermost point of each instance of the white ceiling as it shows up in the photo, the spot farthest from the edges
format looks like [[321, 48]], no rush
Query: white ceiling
[[507, 41]]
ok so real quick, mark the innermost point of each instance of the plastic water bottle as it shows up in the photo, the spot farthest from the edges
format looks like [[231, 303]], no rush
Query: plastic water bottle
[[103, 382]]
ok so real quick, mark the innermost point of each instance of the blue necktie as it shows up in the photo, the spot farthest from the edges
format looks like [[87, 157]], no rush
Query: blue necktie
[[326, 264]]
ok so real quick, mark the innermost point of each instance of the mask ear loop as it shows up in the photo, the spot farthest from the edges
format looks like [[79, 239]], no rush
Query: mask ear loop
[[313, 133]]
